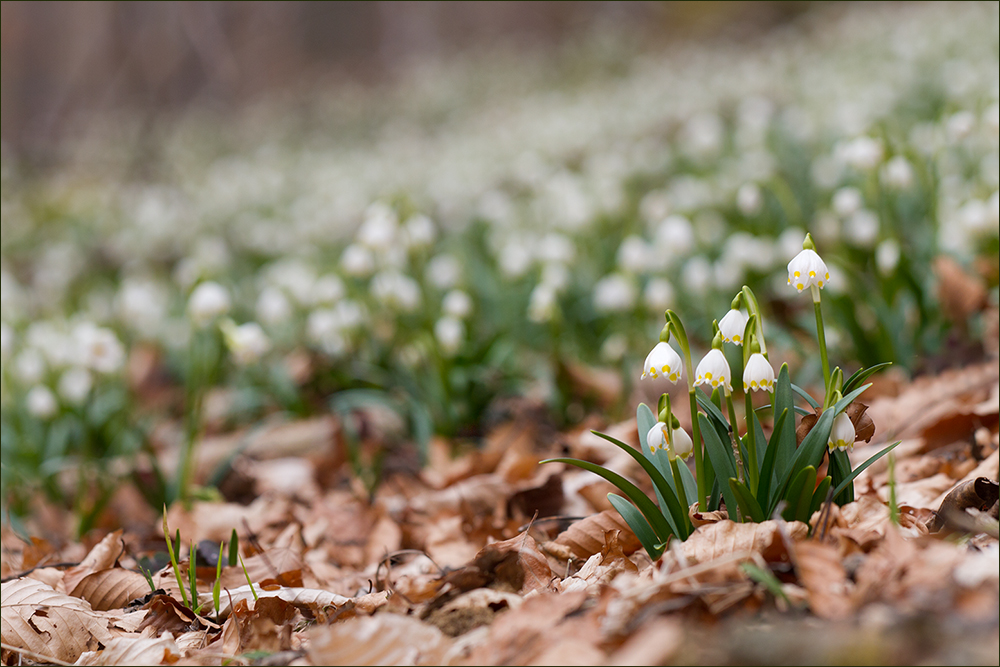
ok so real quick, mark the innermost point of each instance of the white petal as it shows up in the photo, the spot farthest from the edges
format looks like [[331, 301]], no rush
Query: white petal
[[758, 374], [732, 326], [714, 370]]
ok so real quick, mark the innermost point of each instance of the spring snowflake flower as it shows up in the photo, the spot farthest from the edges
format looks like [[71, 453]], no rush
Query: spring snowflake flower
[[663, 360], [842, 434], [732, 326], [758, 375], [357, 261], [614, 293], [99, 347], [806, 269], [457, 303], [208, 301], [41, 402], [75, 385], [247, 342], [682, 445], [449, 332], [713, 370]]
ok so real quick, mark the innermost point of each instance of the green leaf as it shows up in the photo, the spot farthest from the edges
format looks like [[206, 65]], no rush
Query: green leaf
[[747, 503], [637, 522], [722, 459], [819, 495], [656, 519], [767, 473], [766, 578], [645, 421], [712, 409], [800, 487], [805, 395], [690, 485], [857, 471], [675, 514], [840, 469], [234, 548], [863, 374], [783, 440]]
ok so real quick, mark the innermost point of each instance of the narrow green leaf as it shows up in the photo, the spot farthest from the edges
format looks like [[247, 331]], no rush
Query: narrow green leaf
[[819, 495], [712, 409], [767, 473], [675, 514], [644, 422], [766, 578], [637, 522], [193, 571], [234, 548], [748, 504], [690, 485], [247, 575], [805, 395], [863, 374], [722, 460], [799, 507], [857, 471], [840, 469], [794, 491], [217, 587], [656, 519], [785, 442]]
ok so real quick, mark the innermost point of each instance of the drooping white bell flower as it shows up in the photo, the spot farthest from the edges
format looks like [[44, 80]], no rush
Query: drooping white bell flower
[[208, 301], [663, 360], [681, 446], [758, 374], [807, 269], [713, 370], [41, 402], [247, 342], [842, 434], [732, 326]]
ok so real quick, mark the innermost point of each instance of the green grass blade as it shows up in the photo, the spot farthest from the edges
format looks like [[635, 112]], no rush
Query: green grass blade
[[748, 504], [863, 374], [637, 522], [652, 513], [766, 578], [857, 471], [234, 548], [193, 572]]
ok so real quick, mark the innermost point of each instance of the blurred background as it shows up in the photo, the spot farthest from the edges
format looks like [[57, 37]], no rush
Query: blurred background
[[65, 62]]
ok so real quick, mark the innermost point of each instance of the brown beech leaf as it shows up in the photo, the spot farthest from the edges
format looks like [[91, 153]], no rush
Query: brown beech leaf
[[705, 518], [265, 627], [134, 651], [103, 556], [310, 599], [980, 493], [516, 563], [165, 614], [383, 639], [960, 293], [37, 618], [864, 427], [824, 578], [805, 425], [282, 565], [111, 589], [725, 538], [471, 610], [585, 538]]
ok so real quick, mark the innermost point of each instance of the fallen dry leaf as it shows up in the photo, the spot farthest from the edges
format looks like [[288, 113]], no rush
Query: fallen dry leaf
[[824, 578], [725, 538], [42, 620], [383, 639], [134, 651], [103, 556], [585, 538], [111, 589], [303, 598]]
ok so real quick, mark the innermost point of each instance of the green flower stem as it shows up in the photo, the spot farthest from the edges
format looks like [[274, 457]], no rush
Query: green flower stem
[[821, 334], [753, 468], [735, 437], [677, 329]]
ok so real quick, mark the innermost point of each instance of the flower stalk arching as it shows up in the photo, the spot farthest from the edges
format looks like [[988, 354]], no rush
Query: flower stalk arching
[[668, 419], [676, 328]]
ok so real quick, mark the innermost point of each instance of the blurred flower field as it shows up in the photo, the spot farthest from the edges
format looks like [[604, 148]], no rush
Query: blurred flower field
[[504, 225]]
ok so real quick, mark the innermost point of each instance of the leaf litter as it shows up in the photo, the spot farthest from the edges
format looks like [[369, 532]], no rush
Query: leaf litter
[[488, 558]]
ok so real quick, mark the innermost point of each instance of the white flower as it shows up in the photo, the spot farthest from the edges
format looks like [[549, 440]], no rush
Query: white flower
[[732, 326], [663, 360], [273, 306], [682, 445], [208, 301], [6, 340], [357, 261], [542, 304], [247, 342], [758, 374], [658, 295], [614, 347], [898, 173], [326, 289], [887, 256], [749, 199], [324, 328], [614, 293], [842, 434], [674, 236], [380, 226], [75, 385], [713, 370], [634, 254], [41, 402], [449, 333], [99, 348], [444, 271], [807, 268], [419, 231], [862, 228], [861, 152], [396, 290], [29, 366], [847, 201], [142, 305], [457, 303]]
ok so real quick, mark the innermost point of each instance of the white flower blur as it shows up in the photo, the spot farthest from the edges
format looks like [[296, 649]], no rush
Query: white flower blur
[[6, 341], [419, 231], [396, 290], [614, 293], [247, 342], [749, 199], [41, 402], [732, 326], [272, 306], [357, 261], [758, 374], [806, 269], [450, 333], [542, 304], [658, 295], [887, 256], [457, 303], [898, 173], [99, 348], [713, 370], [663, 360], [444, 271], [75, 385], [208, 301], [842, 434]]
